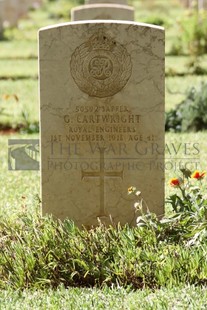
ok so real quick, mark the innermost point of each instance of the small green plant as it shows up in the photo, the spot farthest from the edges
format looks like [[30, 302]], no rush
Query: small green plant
[[61, 9], [25, 125], [190, 114], [156, 20], [188, 224], [176, 48], [28, 126], [194, 66], [191, 198], [190, 206], [194, 29], [1, 35]]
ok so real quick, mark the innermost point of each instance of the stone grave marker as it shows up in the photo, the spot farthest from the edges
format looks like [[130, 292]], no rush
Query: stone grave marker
[[191, 4], [101, 119], [24, 6], [11, 12], [16, 9], [1, 17], [110, 9], [106, 1], [36, 3], [187, 3]]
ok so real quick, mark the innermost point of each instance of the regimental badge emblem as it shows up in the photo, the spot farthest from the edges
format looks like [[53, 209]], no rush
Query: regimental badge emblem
[[101, 67]]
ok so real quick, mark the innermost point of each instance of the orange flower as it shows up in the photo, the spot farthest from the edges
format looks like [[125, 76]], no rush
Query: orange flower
[[198, 175], [175, 182]]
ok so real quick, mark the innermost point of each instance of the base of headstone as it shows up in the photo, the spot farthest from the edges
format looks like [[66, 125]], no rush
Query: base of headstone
[[102, 11]]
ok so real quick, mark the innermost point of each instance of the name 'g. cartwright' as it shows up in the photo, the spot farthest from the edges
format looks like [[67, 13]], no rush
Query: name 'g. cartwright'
[[96, 119]]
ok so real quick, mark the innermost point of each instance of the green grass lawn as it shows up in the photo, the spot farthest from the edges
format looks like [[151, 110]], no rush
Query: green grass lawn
[[27, 93], [18, 68], [115, 299], [18, 49], [18, 188]]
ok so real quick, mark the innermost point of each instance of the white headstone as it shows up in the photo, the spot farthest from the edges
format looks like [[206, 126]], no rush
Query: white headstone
[[11, 12], [23, 8], [102, 119], [102, 11], [106, 1]]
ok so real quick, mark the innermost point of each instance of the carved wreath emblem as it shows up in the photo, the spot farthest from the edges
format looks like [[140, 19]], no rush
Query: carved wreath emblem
[[101, 66]]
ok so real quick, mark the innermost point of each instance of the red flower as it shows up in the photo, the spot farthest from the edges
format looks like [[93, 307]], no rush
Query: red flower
[[198, 175], [175, 182]]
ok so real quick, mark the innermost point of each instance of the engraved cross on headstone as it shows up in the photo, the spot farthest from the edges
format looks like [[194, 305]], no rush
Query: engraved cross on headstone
[[102, 174]]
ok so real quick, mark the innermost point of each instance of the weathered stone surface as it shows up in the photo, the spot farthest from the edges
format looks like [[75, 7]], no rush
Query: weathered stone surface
[[102, 119], [102, 11]]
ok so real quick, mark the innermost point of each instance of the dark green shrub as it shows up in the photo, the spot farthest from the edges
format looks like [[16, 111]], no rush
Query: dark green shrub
[[195, 67], [173, 120], [61, 9], [190, 114], [176, 48], [156, 20]]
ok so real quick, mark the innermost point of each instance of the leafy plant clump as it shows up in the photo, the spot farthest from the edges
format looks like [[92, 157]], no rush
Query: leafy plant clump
[[157, 20], [192, 40], [61, 9], [190, 206], [190, 114], [39, 252], [188, 224]]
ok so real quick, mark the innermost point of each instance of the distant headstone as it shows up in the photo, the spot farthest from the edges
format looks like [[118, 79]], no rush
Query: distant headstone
[[187, 3], [23, 8], [25, 5], [106, 1], [100, 9], [1, 17], [202, 4], [192, 4], [36, 3], [103, 11], [102, 119], [11, 12]]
